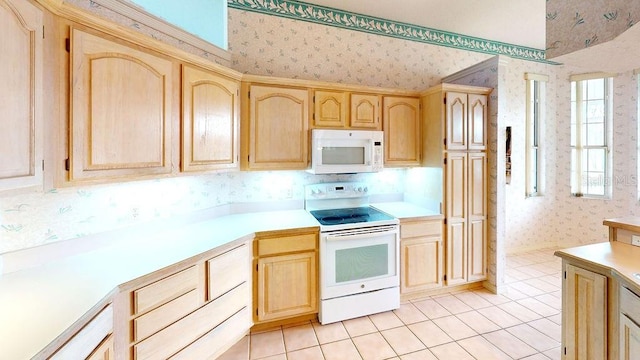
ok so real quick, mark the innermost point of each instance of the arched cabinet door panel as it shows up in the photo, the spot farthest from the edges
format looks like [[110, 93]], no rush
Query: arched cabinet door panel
[[21, 64], [121, 110]]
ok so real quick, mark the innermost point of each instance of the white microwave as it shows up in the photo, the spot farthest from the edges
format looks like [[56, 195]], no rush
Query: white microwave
[[346, 151]]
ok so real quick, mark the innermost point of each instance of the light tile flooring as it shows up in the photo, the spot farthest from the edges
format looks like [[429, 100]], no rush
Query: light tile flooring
[[523, 323]]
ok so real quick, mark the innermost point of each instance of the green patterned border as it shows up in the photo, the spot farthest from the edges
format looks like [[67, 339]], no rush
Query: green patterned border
[[299, 10]]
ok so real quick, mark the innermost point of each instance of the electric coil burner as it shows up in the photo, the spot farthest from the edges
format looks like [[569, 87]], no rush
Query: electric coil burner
[[359, 252]]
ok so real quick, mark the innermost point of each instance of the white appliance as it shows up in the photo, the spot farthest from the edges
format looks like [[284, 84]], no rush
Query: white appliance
[[359, 252], [346, 151]]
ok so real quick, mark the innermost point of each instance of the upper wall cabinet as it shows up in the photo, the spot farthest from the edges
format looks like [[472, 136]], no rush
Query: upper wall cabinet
[[341, 109], [21, 65], [402, 136], [465, 121], [121, 110], [210, 110], [277, 128]]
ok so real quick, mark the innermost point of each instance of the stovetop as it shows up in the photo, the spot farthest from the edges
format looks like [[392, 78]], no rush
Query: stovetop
[[350, 215]]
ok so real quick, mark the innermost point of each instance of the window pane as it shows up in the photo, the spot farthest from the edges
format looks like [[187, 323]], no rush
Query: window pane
[[595, 184], [573, 124], [573, 91], [534, 171], [595, 111], [595, 160], [595, 89], [595, 135]]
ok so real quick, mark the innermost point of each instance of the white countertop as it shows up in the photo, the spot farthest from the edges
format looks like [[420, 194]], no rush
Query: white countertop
[[401, 210], [39, 304]]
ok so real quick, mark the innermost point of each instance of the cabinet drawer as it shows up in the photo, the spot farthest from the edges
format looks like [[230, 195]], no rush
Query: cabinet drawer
[[228, 270], [159, 318], [183, 332], [88, 338], [218, 340], [630, 304], [165, 290], [420, 228], [286, 244]]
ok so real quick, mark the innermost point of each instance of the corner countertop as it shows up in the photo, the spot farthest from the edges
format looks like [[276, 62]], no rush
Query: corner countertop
[[621, 259], [39, 304], [630, 223], [403, 210]]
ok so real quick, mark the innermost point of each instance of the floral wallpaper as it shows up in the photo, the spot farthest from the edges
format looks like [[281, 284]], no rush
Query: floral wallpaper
[[574, 24]]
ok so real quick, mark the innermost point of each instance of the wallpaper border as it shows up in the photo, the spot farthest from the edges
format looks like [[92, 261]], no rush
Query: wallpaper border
[[300, 10]]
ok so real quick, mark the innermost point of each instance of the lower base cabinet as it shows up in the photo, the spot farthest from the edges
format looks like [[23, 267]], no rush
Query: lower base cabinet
[[285, 284], [421, 255], [629, 325]]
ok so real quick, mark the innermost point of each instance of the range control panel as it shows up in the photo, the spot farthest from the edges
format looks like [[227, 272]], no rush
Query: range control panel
[[339, 190]]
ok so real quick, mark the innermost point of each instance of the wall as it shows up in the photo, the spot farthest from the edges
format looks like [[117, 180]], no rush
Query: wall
[[575, 24]]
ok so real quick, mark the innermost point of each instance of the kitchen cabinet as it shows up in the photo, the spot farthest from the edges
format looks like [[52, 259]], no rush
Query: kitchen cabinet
[[584, 314], [21, 89], [182, 312], [210, 120], [421, 256], [104, 351], [455, 119], [92, 340], [629, 324], [345, 110], [402, 131], [286, 277], [330, 109], [275, 130], [121, 109]]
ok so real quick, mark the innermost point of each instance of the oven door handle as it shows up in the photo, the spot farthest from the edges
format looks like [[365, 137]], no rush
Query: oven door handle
[[360, 236]]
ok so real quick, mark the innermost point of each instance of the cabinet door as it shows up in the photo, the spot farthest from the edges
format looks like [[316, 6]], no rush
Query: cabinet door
[[287, 286], [104, 351], [365, 111], [21, 93], [278, 128], [121, 110], [456, 213], [477, 122], [456, 121], [421, 264], [330, 108], [629, 339], [210, 109], [401, 123], [477, 216], [584, 310]]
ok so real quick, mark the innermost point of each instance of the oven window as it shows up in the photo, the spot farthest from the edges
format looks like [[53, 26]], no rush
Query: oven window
[[361, 262], [342, 155]]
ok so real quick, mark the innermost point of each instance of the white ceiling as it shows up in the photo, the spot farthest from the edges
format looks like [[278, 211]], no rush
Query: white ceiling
[[518, 22]]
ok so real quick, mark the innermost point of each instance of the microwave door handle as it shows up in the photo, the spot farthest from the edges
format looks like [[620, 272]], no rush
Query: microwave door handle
[[360, 236]]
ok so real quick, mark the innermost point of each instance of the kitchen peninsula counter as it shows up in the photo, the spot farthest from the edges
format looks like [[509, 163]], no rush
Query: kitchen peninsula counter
[[402, 210], [40, 303]]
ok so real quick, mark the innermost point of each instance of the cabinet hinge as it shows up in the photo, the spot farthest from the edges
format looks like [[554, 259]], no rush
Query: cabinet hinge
[[67, 44], [445, 161], [43, 31], [565, 350], [256, 311], [444, 100], [313, 117], [42, 165], [67, 165], [256, 267], [445, 221], [565, 274], [249, 94], [444, 141], [314, 99], [445, 278]]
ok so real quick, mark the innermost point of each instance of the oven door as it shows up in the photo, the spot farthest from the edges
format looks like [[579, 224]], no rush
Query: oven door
[[359, 260]]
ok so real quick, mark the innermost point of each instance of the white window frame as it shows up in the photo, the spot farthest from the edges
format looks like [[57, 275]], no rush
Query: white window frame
[[536, 99], [636, 72], [577, 182]]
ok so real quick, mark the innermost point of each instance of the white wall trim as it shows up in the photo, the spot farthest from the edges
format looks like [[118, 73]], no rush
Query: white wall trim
[[536, 77], [136, 13], [593, 75]]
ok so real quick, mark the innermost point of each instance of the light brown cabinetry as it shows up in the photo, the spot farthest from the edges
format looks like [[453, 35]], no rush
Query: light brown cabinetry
[[182, 313], [629, 324], [210, 120], [421, 256], [21, 91], [402, 131], [345, 110], [276, 124], [455, 139], [286, 278], [584, 314], [121, 110], [104, 351], [92, 340]]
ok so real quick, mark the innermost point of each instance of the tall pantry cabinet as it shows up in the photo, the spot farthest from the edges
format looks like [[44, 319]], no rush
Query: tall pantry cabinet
[[455, 141]]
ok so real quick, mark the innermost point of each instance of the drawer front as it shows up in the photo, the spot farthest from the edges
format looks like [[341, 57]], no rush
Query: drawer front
[[175, 337], [165, 290], [157, 319], [630, 304], [88, 338], [218, 340], [286, 244], [420, 228], [228, 270]]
